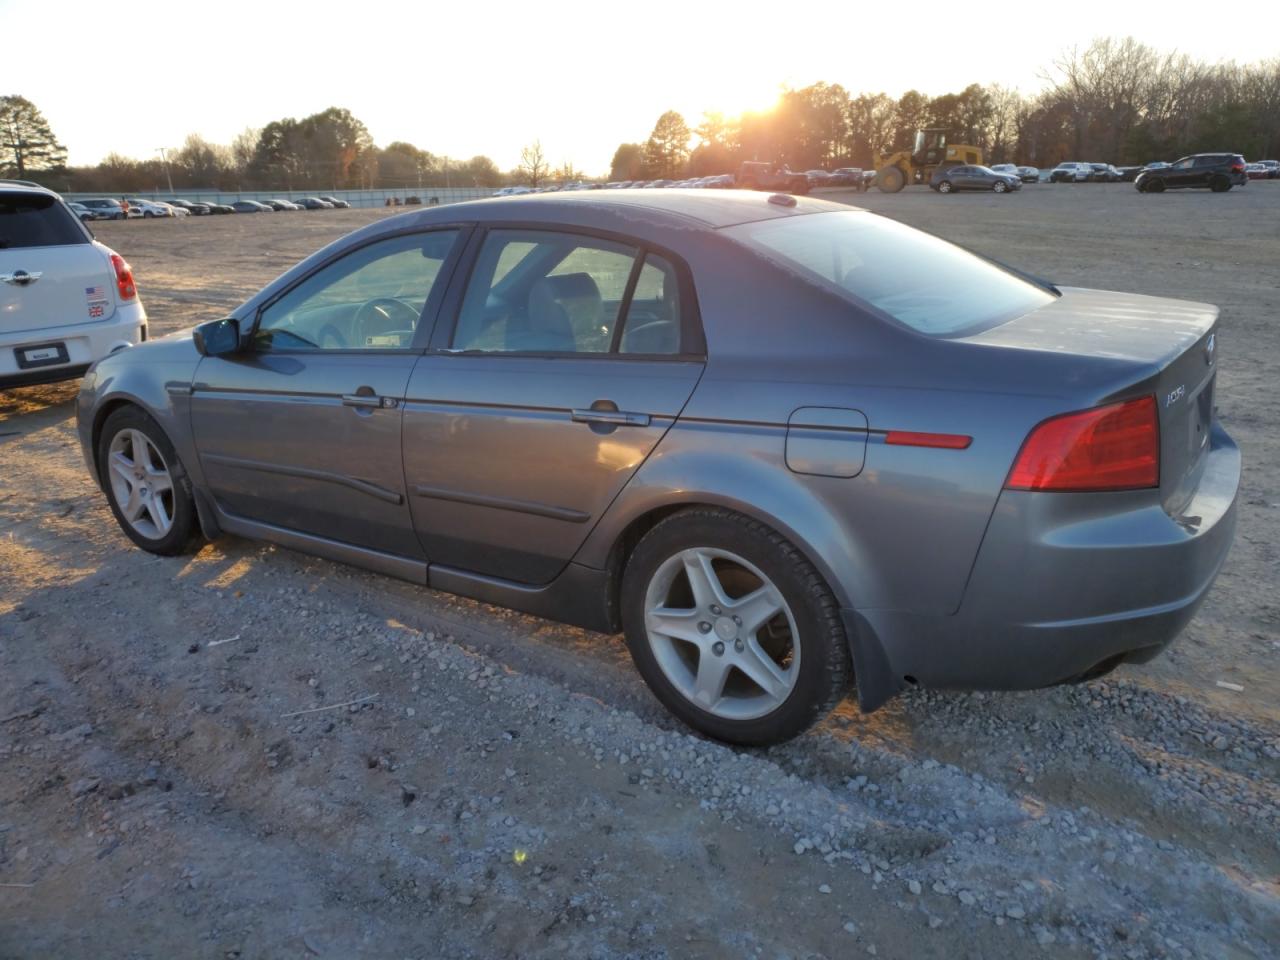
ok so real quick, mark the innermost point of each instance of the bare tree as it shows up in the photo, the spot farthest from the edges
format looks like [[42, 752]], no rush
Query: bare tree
[[533, 164]]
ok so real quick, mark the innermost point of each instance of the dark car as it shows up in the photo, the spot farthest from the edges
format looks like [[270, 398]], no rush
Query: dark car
[[336, 203], [936, 473], [1104, 173], [1218, 172], [251, 206], [105, 209], [973, 177], [847, 177], [313, 203], [1129, 174], [196, 209], [219, 208]]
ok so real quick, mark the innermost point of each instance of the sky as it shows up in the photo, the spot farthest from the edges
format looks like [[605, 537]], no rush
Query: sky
[[490, 78]]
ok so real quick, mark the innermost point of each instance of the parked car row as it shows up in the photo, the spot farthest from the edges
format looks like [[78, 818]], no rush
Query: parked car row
[[1216, 171], [132, 208]]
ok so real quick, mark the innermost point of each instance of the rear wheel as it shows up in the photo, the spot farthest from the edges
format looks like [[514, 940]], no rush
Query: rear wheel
[[732, 628], [145, 483], [1219, 184], [147, 215], [944, 186], [891, 179]]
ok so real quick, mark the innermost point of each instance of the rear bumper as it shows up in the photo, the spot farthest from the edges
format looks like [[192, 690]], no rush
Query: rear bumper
[[84, 344], [1062, 585]]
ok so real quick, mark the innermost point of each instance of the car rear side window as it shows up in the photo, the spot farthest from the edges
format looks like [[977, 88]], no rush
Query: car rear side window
[[536, 291], [922, 282], [37, 220]]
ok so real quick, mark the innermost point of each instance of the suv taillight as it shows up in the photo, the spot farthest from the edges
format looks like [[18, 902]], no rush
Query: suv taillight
[[1237, 164], [1116, 447], [124, 278]]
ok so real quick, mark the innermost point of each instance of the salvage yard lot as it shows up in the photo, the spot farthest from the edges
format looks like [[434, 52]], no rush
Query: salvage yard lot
[[507, 787]]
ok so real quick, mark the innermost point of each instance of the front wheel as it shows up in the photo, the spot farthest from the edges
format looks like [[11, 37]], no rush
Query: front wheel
[[1155, 186], [944, 186], [891, 179], [732, 628], [999, 186], [145, 483]]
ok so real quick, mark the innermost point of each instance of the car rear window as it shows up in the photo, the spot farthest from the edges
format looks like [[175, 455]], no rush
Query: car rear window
[[922, 282], [36, 220]]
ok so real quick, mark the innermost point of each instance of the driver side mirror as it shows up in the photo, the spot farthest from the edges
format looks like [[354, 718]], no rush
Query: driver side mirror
[[216, 338]]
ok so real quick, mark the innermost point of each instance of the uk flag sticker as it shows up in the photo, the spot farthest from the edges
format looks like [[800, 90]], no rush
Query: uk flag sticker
[[97, 311]]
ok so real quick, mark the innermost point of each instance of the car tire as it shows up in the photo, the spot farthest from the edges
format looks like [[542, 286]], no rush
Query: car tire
[[147, 215], [1219, 184], [1155, 186], [999, 187], [162, 517], [747, 559], [944, 186]]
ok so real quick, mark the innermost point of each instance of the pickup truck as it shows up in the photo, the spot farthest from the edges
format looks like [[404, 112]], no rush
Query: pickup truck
[[756, 175]]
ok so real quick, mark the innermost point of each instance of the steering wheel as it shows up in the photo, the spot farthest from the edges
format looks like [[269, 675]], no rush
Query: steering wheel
[[653, 325], [382, 316]]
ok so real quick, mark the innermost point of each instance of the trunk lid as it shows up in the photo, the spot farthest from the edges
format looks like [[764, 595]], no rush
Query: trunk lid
[[1135, 345], [52, 274]]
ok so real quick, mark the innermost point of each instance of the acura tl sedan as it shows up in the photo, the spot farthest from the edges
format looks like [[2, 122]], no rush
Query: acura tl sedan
[[785, 445]]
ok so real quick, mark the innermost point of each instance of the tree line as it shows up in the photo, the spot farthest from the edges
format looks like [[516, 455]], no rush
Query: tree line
[[331, 149], [1116, 101]]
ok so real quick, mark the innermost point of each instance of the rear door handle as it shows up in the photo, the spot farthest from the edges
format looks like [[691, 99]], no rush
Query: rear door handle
[[614, 418]]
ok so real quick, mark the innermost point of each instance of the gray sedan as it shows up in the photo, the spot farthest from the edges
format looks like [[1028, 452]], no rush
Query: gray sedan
[[784, 444], [974, 177]]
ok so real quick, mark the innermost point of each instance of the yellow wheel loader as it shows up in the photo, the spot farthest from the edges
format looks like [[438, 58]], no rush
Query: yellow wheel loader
[[931, 150]]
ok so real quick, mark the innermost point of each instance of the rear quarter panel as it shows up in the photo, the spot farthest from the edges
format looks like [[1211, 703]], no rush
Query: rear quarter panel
[[905, 531]]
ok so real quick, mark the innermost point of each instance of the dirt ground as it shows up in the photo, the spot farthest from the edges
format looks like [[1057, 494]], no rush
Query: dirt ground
[[183, 772]]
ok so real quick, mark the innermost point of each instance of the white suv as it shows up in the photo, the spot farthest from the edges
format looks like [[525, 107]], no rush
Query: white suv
[[66, 300]]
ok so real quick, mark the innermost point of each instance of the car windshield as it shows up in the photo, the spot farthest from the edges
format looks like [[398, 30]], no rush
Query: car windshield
[[921, 281]]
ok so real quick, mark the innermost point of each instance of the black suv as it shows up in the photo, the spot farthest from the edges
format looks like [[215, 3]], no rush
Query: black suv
[[1217, 171]]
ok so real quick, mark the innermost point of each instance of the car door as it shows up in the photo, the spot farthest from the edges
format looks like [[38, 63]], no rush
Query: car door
[[1181, 174], [570, 357], [1205, 168], [302, 429]]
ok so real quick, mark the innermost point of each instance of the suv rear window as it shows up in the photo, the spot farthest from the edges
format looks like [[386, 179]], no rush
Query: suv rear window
[[36, 220], [923, 282]]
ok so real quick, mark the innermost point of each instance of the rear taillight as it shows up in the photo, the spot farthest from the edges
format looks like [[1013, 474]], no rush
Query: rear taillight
[[124, 278], [1116, 447], [1237, 164]]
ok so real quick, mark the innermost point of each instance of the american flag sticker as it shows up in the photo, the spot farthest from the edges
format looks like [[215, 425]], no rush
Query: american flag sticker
[[95, 293]]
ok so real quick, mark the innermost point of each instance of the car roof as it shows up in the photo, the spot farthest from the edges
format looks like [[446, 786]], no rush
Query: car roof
[[675, 209], [22, 186]]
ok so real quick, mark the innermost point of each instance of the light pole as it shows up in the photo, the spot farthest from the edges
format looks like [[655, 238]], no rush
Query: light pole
[[165, 160]]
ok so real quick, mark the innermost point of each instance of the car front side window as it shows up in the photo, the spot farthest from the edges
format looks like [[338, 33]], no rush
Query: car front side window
[[370, 299]]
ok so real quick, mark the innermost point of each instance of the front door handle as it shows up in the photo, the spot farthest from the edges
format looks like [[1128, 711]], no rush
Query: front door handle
[[614, 418], [369, 401]]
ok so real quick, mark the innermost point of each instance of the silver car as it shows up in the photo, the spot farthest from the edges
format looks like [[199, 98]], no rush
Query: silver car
[[784, 444]]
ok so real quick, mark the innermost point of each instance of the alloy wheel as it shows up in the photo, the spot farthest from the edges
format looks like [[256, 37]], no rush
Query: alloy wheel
[[141, 484], [722, 633]]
